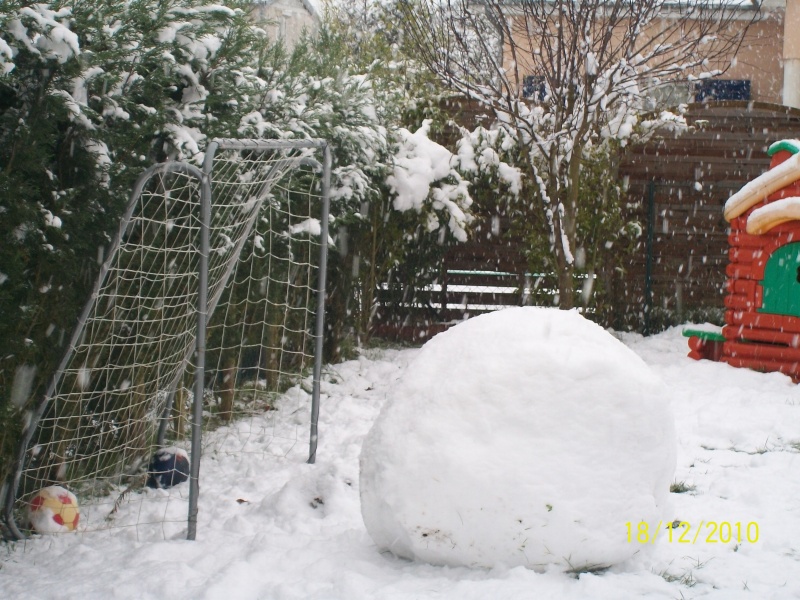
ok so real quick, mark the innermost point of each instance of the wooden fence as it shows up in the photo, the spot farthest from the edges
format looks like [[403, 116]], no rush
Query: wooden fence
[[676, 188]]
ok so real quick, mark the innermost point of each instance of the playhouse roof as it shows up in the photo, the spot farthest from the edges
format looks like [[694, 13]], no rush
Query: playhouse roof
[[761, 187], [761, 220], [792, 146]]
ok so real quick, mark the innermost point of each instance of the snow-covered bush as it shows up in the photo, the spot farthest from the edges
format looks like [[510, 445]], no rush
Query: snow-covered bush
[[92, 93], [497, 164], [399, 225], [418, 165]]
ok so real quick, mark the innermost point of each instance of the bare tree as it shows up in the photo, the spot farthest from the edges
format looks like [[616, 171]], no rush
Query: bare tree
[[587, 68]]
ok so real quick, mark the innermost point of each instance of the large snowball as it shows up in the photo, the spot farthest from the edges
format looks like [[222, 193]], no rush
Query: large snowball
[[528, 436]]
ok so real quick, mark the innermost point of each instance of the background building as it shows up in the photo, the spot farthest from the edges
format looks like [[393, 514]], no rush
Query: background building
[[287, 19]]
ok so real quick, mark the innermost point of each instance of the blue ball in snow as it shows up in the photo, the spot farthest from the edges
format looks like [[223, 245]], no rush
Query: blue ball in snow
[[169, 466]]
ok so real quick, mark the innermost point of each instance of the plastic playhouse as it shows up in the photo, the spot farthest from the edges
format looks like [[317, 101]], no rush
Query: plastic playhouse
[[762, 316]]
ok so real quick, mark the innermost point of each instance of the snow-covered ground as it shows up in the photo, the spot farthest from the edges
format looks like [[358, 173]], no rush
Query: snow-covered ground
[[282, 529]]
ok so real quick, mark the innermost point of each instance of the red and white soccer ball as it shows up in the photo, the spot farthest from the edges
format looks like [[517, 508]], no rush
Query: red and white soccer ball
[[54, 510]]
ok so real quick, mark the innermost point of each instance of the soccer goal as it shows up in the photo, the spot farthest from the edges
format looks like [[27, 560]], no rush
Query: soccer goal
[[207, 315]]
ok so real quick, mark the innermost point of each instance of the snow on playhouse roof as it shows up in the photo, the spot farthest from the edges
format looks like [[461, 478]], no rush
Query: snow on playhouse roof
[[787, 209], [776, 213]]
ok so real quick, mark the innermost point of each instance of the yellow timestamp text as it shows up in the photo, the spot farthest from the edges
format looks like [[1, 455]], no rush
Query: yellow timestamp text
[[683, 532]]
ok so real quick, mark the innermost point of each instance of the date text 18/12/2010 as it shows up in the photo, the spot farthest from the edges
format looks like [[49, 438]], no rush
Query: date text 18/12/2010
[[683, 532]]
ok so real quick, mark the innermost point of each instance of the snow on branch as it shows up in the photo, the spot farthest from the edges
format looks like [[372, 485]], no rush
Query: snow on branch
[[41, 32], [479, 153], [6, 58], [424, 176]]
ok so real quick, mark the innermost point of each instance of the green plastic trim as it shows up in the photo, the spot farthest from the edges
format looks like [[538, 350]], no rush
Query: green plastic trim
[[792, 146], [710, 336]]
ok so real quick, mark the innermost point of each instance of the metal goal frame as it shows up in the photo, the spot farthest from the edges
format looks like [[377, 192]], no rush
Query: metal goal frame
[[204, 309]]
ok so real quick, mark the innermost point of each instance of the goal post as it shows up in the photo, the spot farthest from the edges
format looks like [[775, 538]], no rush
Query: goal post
[[244, 236]]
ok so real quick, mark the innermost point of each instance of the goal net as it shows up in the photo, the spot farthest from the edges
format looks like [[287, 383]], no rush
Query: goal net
[[207, 314]]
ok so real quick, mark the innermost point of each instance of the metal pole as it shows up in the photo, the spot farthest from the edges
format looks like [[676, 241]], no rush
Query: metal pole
[[648, 274], [320, 323], [202, 318]]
